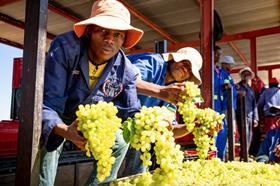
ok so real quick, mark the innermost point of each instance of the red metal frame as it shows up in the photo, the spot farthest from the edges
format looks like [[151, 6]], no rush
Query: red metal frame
[[207, 42], [62, 12], [266, 67], [149, 23], [17, 23], [253, 53], [239, 53], [6, 2], [10, 43]]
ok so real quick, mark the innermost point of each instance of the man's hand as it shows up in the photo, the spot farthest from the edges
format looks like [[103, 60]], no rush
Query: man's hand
[[241, 93], [255, 123], [277, 151], [171, 93], [71, 133]]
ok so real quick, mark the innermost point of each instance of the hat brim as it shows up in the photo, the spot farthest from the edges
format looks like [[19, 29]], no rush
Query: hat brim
[[177, 57], [133, 35], [248, 70]]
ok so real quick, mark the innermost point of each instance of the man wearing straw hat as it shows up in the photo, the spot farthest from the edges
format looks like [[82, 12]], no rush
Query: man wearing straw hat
[[85, 66], [251, 111]]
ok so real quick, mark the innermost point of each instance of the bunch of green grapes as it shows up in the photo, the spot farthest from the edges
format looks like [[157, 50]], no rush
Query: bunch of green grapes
[[99, 124], [151, 127], [203, 123], [209, 122]]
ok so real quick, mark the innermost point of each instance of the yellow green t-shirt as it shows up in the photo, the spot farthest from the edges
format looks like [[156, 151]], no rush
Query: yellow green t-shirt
[[95, 73]]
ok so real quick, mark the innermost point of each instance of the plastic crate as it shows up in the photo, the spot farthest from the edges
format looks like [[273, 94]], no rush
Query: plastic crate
[[8, 138], [191, 154]]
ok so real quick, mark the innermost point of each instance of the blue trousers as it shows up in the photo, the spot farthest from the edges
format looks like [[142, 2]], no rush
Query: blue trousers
[[221, 141], [133, 163], [49, 163]]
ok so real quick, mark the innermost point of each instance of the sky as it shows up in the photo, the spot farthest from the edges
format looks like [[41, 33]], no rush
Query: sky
[[7, 54]]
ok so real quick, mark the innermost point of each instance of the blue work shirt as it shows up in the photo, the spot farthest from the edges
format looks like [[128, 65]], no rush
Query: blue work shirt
[[67, 85], [228, 79], [267, 147], [152, 68], [220, 76], [270, 97], [250, 101]]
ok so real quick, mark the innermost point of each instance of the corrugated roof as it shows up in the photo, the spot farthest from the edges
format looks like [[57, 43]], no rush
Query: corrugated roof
[[179, 18]]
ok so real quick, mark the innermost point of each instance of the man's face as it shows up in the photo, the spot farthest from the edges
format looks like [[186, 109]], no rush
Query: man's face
[[226, 66], [217, 55], [180, 71], [105, 43], [246, 75]]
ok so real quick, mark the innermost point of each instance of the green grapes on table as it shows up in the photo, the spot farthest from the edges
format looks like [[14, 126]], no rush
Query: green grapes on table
[[215, 172], [99, 124], [203, 123]]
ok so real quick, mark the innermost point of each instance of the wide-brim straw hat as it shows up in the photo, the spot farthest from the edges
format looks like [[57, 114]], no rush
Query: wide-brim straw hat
[[247, 69], [111, 14], [190, 54]]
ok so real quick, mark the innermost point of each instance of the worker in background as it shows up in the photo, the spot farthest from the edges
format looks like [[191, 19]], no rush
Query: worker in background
[[166, 69], [251, 111], [226, 63], [85, 66], [270, 97], [221, 82], [270, 148]]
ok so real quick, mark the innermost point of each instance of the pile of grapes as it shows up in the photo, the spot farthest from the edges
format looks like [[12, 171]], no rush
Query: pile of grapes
[[99, 124], [203, 123], [215, 172]]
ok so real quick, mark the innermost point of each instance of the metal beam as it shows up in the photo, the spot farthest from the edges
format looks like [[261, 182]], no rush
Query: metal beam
[[149, 23], [251, 34], [270, 75], [239, 53], [20, 24], [207, 43], [7, 2], [253, 53], [28, 158], [266, 67], [63, 12], [233, 37], [11, 43]]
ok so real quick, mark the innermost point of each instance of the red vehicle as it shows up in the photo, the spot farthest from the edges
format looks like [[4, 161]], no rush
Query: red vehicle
[[9, 128]]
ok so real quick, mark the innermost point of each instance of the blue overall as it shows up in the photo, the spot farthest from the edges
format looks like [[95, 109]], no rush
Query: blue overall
[[67, 85], [220, 78]]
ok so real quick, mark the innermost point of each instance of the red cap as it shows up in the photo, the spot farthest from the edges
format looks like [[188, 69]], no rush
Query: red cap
[[273, 81]]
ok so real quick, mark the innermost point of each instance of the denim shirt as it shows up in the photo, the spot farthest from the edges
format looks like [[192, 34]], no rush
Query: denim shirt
[[67, 85], [152, 68], [219, 90], [270, 97], [250, 101], [267, 147]]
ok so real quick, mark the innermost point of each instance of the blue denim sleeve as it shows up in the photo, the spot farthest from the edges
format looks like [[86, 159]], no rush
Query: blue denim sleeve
[[54, 93]]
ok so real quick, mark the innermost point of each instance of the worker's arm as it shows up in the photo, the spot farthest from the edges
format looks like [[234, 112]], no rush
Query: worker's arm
[[168, 93]]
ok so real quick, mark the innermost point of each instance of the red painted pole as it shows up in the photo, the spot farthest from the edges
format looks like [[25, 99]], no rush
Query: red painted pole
[[207, 42], [253, 52], [269, 74]]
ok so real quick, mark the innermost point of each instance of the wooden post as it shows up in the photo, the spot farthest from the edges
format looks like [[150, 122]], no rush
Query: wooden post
[[231, 140], [244, 151], [27, 173], [207, 43]]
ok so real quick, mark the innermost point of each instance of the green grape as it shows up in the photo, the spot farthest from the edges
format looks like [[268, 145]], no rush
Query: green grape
[[151, 127], [99, 124], [211, 172], [203, 123]]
